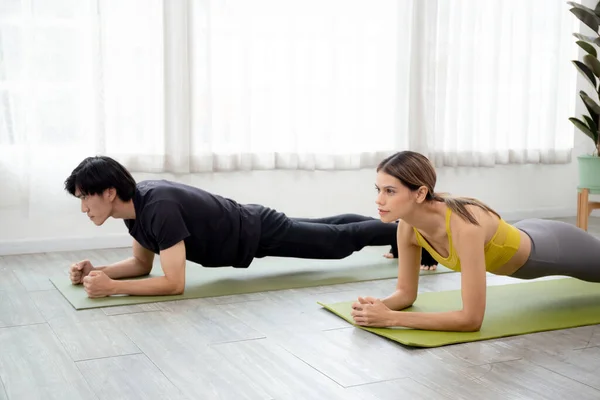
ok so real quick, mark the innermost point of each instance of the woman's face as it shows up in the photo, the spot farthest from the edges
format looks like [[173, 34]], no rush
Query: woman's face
[[394, 200]]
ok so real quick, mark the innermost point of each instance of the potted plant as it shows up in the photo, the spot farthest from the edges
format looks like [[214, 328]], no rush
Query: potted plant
[[589, 67]]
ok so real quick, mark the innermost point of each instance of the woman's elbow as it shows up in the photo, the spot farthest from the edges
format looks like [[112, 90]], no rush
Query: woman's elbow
[[472, 324]]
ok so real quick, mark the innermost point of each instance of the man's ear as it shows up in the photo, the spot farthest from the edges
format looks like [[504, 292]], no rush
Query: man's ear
[[111, 194]]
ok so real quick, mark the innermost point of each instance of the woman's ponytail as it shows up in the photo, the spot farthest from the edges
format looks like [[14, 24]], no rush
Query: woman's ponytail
[[458, 206]]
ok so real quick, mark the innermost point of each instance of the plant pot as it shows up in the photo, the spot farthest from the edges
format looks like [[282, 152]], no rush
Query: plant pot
[[589, 172]]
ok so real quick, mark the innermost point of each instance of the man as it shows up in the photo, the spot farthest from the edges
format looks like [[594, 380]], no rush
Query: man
[[183, 223]]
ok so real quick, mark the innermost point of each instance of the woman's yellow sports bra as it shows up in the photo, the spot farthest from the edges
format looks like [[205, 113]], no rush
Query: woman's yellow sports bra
[[503, 245]]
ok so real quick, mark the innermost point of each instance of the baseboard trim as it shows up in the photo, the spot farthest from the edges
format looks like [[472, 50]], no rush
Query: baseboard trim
[[45, 245]]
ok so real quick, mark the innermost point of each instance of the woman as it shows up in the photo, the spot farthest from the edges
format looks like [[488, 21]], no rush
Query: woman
[[468, 236]]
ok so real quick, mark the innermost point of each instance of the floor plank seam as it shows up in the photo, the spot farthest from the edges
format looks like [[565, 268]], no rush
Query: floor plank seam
[[42, 290], [236, 341], [39, 310], [87, 382], [376, 382], [107, 357], [23, 325], [131, 313], [592, 333], [314, 368], [505, 361], [473, 365], [587, 347], [151, 361], [64, 347], [215, 303], [3, 388], [339, 328], [564, 376], [22, 286]]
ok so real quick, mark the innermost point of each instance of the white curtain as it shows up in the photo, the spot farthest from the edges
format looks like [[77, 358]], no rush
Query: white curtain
[[262, 84], [205, 85], [492, 81]]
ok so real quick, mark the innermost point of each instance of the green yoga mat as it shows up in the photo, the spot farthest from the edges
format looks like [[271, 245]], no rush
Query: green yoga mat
[[512, 309], [270, 273]]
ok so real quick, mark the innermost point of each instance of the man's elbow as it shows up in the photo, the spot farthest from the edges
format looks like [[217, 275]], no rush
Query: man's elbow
[[144, 267], [172, 286]]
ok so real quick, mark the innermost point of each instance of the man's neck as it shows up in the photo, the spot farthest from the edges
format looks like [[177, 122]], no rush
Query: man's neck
[[124, 210]]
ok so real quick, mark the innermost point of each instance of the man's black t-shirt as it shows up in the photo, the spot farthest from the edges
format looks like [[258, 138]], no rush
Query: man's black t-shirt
[[217, 231]]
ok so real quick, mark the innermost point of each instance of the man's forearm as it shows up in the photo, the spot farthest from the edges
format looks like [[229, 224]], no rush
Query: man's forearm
[[129, 268], [158, 286], [398, 301]]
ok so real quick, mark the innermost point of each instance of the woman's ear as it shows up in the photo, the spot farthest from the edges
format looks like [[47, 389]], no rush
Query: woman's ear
[[422, 194]]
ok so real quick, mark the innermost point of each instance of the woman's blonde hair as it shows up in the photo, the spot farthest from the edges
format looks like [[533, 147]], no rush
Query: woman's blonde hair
[[414, 171]]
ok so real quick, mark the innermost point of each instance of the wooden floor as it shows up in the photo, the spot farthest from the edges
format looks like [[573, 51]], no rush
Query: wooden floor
[[276, 345]]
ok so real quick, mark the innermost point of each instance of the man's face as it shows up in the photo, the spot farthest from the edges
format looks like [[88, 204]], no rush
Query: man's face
[[98, 207]]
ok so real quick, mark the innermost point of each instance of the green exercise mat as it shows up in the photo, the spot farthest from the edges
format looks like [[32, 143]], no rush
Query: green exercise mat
[[512, 309], [265, 274]]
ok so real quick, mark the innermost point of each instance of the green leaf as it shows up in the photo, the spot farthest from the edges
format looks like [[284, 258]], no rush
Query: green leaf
[[591, 124], [595, 116], [589, 102], [597, 10], [587, 17], [592, 63], [581, 6], [583, 128], [587, 47], [586, 72], [585, 38]]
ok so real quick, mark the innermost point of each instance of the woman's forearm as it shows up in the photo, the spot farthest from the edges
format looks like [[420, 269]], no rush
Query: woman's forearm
[[457, 321], [398, 300]]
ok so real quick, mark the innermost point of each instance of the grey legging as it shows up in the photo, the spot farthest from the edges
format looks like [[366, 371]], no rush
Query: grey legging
[[559, 248]]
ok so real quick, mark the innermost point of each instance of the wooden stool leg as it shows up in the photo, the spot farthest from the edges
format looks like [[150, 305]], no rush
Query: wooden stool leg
[[585, 212], [579, 223]]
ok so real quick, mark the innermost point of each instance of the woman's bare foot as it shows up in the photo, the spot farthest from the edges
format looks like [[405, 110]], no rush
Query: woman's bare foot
[[389, 255]]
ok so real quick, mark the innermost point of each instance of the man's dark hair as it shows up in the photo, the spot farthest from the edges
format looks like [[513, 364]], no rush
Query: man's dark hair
[[96, 174]]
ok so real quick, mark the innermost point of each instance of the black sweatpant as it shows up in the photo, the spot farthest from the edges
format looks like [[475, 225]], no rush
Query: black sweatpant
[[333, 237]]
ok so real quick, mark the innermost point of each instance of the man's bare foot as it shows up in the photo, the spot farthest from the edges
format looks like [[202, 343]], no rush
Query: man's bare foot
[[429, 268], [388, 255]]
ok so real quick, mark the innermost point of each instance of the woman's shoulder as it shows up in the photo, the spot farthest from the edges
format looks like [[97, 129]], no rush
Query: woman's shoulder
[[406, 233]]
